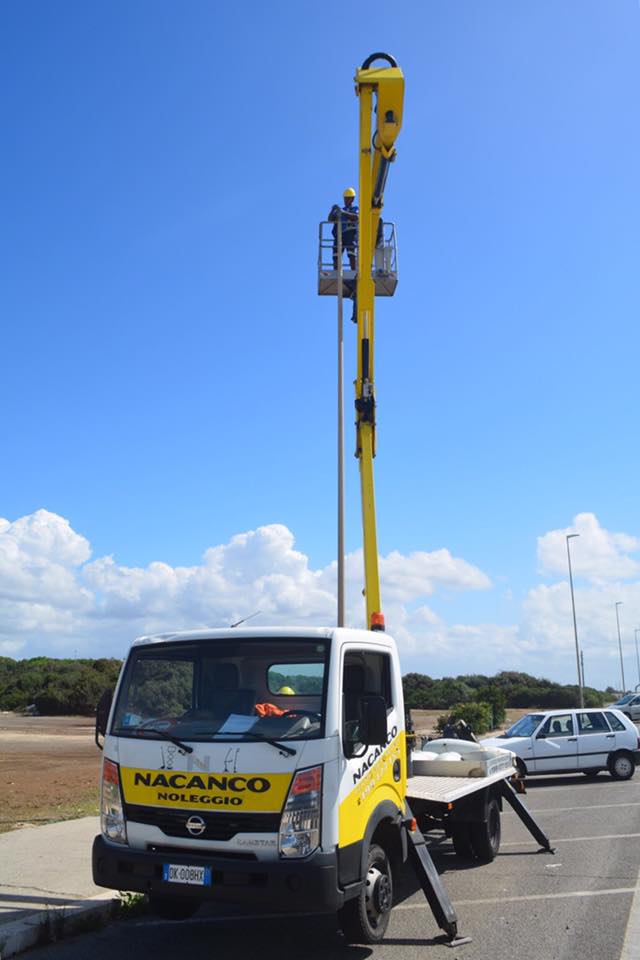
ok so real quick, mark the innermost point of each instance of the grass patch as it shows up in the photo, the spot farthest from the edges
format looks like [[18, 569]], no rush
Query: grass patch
[[86, 806]]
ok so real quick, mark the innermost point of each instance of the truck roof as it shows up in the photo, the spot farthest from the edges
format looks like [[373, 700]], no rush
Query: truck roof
[[340, 634]]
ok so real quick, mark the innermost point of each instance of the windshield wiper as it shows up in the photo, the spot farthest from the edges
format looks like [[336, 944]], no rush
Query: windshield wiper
[[286, 751], [137, 731]]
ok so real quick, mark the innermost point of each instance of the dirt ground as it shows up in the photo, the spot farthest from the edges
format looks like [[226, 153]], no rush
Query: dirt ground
[[49, 769], [50, 766]]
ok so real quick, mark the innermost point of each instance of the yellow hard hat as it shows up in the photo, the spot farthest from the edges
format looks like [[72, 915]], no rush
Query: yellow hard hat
[[287, 691], [349, 192]]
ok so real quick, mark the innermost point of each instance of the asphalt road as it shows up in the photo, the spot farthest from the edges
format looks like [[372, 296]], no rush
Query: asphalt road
[[530, 905]]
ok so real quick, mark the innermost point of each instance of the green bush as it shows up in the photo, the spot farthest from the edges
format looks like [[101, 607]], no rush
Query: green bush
[[478, 715], [57, 687]]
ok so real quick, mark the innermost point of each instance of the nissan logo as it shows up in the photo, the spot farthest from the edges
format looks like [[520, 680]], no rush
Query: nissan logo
[[196, 826]]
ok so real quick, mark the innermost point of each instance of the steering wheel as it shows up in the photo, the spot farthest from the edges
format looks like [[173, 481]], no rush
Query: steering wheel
[[303, 713]]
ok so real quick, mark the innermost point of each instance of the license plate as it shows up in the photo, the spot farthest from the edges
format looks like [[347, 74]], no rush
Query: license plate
[[180, 873]]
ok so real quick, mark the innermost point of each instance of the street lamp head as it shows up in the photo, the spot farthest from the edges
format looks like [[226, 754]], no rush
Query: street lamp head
[[619, 603], [570, 535]]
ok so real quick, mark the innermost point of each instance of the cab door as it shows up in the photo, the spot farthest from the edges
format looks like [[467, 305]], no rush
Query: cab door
[[555, 744], [595, 740], [372, 777]]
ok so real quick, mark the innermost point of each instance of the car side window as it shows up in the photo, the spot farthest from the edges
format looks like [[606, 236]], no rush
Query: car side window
[[615, 723], [592, 723], [559, 726]]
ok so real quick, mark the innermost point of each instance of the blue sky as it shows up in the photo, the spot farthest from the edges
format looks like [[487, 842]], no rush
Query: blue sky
[[169, 372]]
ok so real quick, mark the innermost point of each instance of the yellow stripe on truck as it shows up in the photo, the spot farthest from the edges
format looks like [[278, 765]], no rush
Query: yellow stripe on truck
[[374, 783], [183, 790]]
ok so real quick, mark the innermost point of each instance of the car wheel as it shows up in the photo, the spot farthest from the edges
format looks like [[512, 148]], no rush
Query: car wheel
[[365, 918], [622, 766], [521, 767], [485, 836]]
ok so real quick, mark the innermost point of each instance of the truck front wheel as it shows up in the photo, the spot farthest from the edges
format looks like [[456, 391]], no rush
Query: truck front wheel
[[365, 918], [485, 835]]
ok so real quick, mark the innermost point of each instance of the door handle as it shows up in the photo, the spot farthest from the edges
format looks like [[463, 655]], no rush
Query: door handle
[[611, 736], [572, 740]]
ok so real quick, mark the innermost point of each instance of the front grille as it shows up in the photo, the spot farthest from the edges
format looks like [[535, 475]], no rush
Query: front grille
[[218, 826]]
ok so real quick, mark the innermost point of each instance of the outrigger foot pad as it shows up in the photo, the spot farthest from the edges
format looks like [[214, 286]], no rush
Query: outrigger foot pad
[[458, 942]]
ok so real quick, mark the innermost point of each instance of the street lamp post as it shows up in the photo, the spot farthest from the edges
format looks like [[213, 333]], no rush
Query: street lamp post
[[575, 626], [624, 686], [637, 631]]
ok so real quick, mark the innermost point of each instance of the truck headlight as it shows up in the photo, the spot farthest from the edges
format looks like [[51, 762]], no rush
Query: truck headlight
[[112, 820], [300, 822]]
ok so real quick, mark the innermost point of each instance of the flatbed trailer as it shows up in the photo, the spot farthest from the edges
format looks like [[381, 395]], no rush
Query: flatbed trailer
[[468, 809]]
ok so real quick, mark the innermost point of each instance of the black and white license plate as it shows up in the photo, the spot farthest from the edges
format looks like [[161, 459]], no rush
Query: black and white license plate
[[180, 873]]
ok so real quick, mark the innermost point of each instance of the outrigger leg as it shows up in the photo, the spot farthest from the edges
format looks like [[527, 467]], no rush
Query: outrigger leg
[[512, 798], [433, 888]]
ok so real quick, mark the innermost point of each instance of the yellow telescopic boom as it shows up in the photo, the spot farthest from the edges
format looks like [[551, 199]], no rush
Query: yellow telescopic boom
[[377, 151]]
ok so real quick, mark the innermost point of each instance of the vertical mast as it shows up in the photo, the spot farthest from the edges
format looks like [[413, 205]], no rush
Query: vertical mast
[[376, 152]]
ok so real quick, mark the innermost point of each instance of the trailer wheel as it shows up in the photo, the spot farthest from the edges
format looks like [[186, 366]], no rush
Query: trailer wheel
[[170, 909], [461, 838], [485, 835], [365, 918]]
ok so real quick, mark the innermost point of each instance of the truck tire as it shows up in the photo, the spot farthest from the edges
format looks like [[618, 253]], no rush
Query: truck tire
[[622, 765], [170, 909], [461, 839], [365, 918], [485, 835]]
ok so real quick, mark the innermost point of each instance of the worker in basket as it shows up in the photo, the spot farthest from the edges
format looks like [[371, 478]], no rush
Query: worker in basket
[[348, 215]]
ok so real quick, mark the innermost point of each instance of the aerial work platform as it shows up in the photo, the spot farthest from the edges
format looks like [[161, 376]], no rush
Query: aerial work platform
[[384, 267]]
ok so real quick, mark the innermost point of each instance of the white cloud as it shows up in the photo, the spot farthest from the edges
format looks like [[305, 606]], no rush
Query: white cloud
[[53, 596], [597, 555]]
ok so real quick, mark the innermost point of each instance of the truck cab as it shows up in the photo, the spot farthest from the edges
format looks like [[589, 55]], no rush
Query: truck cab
[[257, 765]]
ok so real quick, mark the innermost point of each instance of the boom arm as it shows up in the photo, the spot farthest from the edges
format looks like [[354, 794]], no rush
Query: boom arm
[[377, 151]]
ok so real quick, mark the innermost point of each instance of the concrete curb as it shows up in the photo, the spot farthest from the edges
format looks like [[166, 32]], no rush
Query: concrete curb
[[54, 923]]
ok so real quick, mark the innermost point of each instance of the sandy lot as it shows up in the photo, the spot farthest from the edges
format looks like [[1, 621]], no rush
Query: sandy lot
[[49, 769]]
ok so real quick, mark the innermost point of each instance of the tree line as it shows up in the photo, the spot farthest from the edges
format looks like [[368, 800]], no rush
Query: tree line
[[58, 687], [506, 689]]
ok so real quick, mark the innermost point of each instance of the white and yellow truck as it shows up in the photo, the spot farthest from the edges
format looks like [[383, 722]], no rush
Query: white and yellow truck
[[270, 766]]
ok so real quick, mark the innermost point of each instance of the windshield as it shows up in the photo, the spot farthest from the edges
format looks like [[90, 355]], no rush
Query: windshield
[[248, 689], [525, 726], [624, 699]]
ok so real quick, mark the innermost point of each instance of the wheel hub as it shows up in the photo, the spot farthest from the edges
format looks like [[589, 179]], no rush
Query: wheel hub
[[377, 892]]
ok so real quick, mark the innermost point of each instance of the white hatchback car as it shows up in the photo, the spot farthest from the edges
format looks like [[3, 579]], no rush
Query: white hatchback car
[[566, 741]]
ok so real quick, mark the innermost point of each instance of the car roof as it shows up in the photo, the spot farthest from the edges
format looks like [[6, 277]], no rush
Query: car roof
[[562, 710]]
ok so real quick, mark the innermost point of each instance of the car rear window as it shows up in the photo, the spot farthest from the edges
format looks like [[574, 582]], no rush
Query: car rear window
[[616, 724]]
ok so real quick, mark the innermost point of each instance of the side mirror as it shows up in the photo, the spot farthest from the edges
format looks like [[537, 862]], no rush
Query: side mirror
[[373, 723], [102, 715], [541, 736]]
